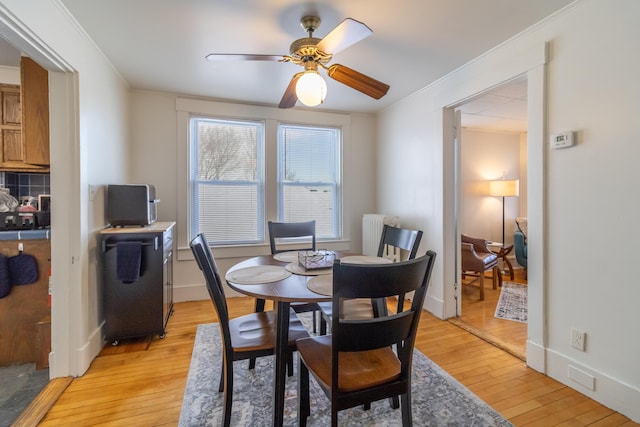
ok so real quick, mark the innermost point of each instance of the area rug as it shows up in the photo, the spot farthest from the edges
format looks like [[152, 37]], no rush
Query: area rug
[[512, 304], [438, 399]]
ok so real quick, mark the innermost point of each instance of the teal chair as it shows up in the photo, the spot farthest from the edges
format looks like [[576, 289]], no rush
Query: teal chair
[[520, 246]]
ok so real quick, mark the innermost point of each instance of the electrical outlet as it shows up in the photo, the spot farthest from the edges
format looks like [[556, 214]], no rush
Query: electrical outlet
[[578, 339]]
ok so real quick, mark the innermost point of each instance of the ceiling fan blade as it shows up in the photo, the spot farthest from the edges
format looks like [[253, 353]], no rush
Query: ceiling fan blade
[[241, 57], [348, 32], [358, 81], [290, 98]]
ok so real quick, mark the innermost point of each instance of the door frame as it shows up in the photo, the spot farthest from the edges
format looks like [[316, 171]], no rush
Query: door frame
[[532, 64], [65, 171]]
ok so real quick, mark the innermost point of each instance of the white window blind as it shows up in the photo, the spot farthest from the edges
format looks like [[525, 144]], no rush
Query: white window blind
[[308, 177], [227, 202]]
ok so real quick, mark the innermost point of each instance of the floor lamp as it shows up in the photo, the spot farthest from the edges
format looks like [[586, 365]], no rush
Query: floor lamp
[[504, 188]]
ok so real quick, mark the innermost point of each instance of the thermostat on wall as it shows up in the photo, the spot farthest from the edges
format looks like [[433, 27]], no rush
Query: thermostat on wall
[[562, 140]]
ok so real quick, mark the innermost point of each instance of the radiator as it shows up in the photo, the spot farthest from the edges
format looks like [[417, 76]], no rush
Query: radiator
[[372, 225]]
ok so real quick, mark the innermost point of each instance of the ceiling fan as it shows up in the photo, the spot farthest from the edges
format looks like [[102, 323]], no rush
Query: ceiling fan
[[313, 53]]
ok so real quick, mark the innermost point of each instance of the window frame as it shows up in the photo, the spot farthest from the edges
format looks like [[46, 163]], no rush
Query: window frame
[[335, 185], [259, 183], [186, 107]]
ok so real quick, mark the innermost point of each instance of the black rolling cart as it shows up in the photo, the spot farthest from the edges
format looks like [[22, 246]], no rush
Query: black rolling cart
[[137, 280]]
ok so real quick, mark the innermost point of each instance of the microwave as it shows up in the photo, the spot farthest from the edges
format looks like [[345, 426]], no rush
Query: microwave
[[131, 204]]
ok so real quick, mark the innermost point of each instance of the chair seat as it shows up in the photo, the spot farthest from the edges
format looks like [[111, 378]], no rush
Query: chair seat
[[488, 259], [355, 309], [358, 370], [256, 331]]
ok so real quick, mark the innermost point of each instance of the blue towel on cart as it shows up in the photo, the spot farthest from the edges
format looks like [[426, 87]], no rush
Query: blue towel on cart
[[5, 278], [128, 261]]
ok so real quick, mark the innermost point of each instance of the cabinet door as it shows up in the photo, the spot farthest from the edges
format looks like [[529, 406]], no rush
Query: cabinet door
[[11, 145], [35, 112], [11, 152], [11, 112]]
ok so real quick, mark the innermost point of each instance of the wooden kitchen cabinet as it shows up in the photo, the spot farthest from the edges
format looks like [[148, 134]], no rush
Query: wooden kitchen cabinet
[[24, 129]]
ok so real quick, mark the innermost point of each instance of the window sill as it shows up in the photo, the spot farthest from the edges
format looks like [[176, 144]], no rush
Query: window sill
[[247, 251]]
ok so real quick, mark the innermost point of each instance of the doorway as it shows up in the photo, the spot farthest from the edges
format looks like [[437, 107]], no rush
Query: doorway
[[492, 140], [66, 309]]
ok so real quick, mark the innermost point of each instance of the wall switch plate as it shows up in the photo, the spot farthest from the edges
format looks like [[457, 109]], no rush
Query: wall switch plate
[[562, 140], [92, 192]]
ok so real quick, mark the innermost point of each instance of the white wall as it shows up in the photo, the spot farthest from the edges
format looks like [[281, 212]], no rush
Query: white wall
[[9, 75], [159, 157], [89, 138], [487, 156], [584, 196]]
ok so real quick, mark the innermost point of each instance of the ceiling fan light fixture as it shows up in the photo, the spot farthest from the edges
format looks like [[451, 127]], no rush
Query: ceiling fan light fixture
[[311, 89]]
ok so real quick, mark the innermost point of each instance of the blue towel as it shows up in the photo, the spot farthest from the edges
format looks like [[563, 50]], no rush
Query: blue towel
[[128, 261], [5, 278]]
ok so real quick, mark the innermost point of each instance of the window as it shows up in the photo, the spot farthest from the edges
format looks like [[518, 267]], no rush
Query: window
[[308, 177], [227, 191]]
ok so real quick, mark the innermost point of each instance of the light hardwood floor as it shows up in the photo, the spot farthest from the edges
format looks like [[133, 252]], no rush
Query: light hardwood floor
[[141, 383], [478, 316]]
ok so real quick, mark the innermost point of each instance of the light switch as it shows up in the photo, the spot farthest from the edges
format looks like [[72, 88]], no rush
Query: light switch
[[92, 192]]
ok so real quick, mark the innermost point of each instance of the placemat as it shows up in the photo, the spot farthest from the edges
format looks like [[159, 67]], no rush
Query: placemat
[[291, 256], [295, 268], [258, 274], [322, 285], [364, 259]]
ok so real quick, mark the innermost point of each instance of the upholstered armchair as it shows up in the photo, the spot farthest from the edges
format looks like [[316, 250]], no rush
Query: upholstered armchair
[[478, 259], [520, 243]]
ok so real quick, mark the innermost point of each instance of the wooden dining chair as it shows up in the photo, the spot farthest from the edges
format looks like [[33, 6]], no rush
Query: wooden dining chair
[[393, 241], [243, 337], [288, 230], [356, 363]]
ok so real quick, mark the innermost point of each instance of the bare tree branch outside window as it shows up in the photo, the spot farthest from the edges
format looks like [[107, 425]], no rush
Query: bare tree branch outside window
[[227, 152]]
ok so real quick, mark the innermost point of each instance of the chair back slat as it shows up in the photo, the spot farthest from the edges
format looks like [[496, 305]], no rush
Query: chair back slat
[[356, 335], [284, 230]]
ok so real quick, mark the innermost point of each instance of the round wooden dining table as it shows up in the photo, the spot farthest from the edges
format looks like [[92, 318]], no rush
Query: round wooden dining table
[[283, 292]]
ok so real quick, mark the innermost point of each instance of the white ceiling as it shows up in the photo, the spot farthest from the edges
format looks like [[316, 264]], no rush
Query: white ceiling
[[161, 44], [502, 109]]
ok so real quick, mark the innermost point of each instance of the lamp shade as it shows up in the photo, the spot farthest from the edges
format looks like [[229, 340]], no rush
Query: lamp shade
[[504, 188], [311, 88]]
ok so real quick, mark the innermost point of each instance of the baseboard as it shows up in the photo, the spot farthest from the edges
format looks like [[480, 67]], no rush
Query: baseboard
[[195, 292], [434, 306], [90, 350], [609, 391], [536, 357]]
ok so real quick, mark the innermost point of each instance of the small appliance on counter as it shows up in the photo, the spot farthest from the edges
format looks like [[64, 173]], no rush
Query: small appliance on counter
[[131, 204]]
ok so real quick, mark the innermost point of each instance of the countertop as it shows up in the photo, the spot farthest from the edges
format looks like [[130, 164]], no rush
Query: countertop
[[156, 227], [26, 234]]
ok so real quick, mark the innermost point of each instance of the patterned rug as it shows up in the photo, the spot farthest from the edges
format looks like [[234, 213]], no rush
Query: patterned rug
[[512, 304], [438, 399]]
